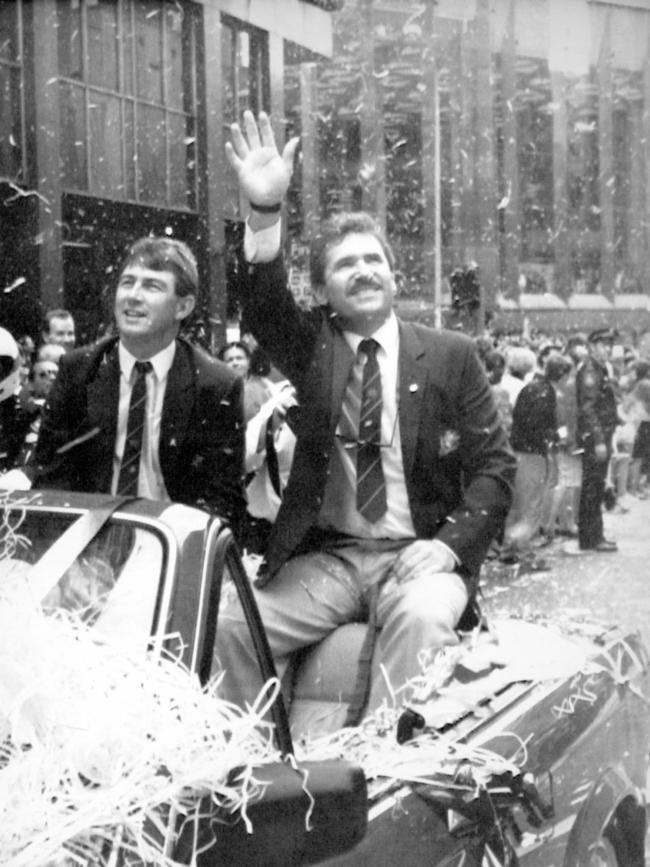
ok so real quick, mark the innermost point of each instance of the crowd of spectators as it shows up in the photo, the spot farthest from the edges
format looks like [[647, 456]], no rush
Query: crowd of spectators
[[536, 380]]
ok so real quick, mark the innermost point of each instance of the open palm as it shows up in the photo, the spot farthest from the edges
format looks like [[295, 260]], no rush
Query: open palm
[[263, 172]]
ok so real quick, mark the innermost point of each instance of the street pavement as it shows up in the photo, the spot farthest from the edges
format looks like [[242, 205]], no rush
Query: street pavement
[[608, 589]]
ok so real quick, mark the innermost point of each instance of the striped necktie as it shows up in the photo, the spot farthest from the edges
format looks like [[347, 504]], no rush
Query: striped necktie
[[127, 483], [371, 485]]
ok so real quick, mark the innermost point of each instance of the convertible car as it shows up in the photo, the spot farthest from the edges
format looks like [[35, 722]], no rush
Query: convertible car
[[523, 745]]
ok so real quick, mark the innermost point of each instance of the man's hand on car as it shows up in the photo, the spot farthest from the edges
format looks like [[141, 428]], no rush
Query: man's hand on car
[[423, 556]]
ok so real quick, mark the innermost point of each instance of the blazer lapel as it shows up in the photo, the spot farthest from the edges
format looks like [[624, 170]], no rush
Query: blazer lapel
[[103, 393], [341, 361], [412, 387], [177, 405]]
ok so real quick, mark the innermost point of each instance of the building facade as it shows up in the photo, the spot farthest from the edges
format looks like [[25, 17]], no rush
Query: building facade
[[512, 133], [515, 133], [114, 115]]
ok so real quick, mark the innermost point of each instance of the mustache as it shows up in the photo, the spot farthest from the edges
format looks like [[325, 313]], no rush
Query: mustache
[[359, 283]]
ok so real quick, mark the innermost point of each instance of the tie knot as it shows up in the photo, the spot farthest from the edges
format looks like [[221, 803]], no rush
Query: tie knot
[[143, 367], [369, 346]]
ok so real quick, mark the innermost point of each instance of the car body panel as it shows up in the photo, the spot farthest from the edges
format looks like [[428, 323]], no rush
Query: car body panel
[[180, 618], [577, 735], [583, 766]]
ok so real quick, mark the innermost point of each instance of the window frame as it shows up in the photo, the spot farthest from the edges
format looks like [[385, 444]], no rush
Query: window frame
[[16, 69], [132, 106]]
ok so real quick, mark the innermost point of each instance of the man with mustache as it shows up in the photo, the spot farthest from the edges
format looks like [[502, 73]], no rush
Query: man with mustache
[[402, 473], [146, 413]]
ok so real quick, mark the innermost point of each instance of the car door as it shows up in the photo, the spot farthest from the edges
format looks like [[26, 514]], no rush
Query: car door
[[304, 812]]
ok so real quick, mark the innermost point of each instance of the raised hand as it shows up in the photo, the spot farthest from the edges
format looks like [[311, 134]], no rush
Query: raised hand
[[263, 172]]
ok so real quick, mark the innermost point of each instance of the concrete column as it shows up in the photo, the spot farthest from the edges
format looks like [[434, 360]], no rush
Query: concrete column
[[456, 249], [276, 84], [309, 142], [214, 177], [47, 146], [562, 276], [606, 174], [637, 214], [467, 146], [645, 125], [510, 243], [431, 247], [486, 179], [373, 160]]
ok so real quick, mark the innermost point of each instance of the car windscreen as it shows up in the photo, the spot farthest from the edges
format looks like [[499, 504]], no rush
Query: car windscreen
[[112, 585]]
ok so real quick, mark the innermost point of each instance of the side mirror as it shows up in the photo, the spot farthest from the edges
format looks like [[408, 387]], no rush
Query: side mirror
[[287, 827]]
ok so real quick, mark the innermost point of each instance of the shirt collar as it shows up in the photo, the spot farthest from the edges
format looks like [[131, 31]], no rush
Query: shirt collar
[[161, 361], [386, 335]]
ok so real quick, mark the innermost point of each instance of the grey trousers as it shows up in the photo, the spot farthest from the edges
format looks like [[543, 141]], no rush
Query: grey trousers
[[315, 593]]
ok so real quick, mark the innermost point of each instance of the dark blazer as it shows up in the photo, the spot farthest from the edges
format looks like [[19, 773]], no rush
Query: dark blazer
[[534, 418], [458, 465], [597, 408], [201, 447]]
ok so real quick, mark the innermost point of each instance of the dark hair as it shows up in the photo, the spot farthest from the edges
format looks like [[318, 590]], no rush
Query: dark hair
[[166, 254], [556, 367], [260, 362], [495, 364], [55, 313], [234, 344], [578, 339], [333, 230], [641, 369], [546, 349]]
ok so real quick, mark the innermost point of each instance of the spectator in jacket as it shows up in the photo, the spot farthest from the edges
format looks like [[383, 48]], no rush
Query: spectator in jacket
[[534, 437]]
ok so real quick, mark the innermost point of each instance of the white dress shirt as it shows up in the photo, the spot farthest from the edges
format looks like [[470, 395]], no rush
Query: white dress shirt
[[339, 511], [150, 479]]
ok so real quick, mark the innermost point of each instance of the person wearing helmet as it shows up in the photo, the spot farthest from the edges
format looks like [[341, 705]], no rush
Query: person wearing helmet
[[11, 421]]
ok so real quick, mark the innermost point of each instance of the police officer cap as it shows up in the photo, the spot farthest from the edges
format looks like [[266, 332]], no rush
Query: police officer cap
[[604, 334]]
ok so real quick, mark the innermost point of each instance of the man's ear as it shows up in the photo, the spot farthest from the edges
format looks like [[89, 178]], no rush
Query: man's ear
[[319, 293], [185, 304]]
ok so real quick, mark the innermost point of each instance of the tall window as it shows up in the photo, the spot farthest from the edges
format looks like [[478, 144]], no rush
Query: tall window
[[245, 69], [127, 77], [583, 184], [535, 158], [12, 150], [245, 82]]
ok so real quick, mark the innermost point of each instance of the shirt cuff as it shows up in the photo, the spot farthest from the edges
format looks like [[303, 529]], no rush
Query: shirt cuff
[[263, 245], [449, 551]]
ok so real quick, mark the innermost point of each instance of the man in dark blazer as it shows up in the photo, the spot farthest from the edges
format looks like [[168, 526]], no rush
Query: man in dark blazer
[[447, 467], [193, 438]]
